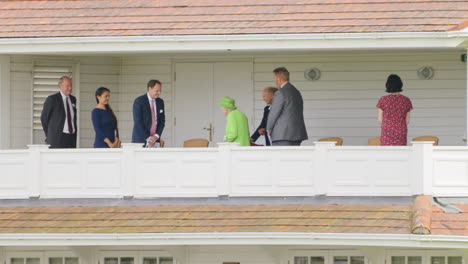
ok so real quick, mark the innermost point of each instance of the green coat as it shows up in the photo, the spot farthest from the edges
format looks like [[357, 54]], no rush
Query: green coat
[[237, 128]]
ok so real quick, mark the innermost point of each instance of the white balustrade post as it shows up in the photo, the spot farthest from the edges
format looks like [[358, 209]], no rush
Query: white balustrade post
[[421, 165], [128, 168], [35, 169], [321, 166], [223, 182]]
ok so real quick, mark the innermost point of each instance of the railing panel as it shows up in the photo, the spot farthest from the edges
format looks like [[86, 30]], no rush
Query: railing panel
[[176, 172], [324, 169], [81, 173], [273, 171], [14, 172], [374, 171], [450, 171]]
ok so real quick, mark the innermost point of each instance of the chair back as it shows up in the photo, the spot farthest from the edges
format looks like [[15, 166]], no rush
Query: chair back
[[196, 143], [375, 141], [427, 138], [339, 141]]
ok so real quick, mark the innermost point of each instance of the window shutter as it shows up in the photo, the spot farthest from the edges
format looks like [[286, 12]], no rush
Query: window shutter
[[45, 83]]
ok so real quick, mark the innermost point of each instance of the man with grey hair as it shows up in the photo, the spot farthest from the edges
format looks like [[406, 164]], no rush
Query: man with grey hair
[[268, 94], [58, 117], [286, 119]]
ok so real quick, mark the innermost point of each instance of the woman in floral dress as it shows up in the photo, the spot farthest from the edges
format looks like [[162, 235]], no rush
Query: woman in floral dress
[[394, 113]]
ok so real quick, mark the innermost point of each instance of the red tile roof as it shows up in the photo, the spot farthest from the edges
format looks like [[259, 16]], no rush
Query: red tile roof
[[419, 218], [201, 17], [212, 218], [450, 224]]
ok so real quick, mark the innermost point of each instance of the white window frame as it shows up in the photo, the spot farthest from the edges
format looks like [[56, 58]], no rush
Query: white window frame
[[25, 255], [327, 254], [446, 254], [426, 255], [137, 255], [154, 254], [60, 254]]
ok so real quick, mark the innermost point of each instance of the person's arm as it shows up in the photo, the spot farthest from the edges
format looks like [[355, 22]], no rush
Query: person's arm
[[97, 124], [256, 134], [410, 107], [275, 111], [380, 116], [231, 129], [161, 119], [138, 117], [45, 114], [261, 128]]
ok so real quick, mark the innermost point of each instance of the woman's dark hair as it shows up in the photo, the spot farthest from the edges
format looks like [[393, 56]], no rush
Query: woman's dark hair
[[394, 84], [99, 92]]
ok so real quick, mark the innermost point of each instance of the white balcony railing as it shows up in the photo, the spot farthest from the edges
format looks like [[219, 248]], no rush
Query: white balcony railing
[[323, 169]]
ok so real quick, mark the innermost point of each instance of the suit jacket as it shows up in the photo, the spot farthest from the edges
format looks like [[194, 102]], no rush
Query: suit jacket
[[286, 118], [263, 124], [142, 118], [53, 118]]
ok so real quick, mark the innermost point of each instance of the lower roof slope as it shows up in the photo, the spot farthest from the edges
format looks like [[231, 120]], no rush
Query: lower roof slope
[[421, 217]]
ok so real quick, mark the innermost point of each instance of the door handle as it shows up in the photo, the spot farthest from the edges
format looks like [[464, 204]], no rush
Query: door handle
[[210, 129]]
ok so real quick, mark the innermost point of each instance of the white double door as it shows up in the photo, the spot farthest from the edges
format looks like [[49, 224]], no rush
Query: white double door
[[198, 86]]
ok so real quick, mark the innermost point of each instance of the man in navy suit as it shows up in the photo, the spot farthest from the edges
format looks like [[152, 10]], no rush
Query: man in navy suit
[[268, 94], [148, 116], [58, 116]]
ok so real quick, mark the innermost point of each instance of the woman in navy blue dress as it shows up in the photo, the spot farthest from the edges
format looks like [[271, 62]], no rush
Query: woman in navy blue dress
[[104, 121]]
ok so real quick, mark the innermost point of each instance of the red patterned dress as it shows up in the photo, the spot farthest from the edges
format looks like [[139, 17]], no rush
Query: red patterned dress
[[394, 129]]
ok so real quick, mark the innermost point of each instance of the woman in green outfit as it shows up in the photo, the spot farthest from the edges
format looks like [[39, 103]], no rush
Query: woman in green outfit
[[237, 125]]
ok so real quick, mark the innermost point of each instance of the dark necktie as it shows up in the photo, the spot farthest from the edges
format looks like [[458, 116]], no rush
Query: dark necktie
[[69, 118]]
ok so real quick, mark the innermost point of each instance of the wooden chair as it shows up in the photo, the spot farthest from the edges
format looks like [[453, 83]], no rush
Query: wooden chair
[[427, 138], [161, 143], [375, 141], [339, 141], [196, 143]]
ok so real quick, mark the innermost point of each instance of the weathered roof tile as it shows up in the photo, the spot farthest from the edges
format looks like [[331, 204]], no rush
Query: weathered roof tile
[[184, 17]]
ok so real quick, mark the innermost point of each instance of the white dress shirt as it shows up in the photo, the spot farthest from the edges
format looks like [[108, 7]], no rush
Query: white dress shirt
[[153, 101], [72, 114]]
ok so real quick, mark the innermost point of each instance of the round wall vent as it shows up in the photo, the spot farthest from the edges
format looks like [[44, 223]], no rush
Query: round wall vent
[[425, 73], [312, 74]]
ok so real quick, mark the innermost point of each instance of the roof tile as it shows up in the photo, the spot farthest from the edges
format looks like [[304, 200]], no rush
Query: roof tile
[[184, 17]]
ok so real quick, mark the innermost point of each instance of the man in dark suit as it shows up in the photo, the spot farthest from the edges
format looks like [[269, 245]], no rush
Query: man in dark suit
[[286, 124], [268, 94], [148, 116], [58, 116]]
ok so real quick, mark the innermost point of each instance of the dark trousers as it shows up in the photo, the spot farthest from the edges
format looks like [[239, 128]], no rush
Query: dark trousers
[[287, 143], [65, 141]]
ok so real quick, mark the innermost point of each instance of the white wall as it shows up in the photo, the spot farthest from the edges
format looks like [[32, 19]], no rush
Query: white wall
[[94, 72], [221, 254], [21, 98], [136, 72], [342, 103]]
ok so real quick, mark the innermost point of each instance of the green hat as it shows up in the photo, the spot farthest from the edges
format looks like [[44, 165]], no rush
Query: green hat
[[228, 103]]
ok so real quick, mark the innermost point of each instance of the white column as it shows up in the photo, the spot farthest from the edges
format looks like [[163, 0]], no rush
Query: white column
[[85, 253], [35, 169], [128, 168], [374, 255], [225, 167], [421, 166], [320, 166], [4, 102], [466, 98]]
